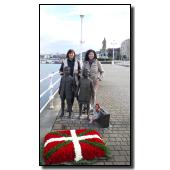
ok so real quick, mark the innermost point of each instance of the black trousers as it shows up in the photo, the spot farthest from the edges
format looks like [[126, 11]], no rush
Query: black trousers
[[69, 104]]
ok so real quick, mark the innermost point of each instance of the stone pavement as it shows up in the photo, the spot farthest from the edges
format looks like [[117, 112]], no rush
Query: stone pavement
[[114, 96]]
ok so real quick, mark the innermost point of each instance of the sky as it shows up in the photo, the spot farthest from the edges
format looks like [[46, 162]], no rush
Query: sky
[[60, 27]]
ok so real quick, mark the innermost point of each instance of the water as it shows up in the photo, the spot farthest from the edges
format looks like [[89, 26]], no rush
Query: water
[[45, 70]]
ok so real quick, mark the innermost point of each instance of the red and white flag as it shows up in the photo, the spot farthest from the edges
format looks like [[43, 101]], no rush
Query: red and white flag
[[73, 146]]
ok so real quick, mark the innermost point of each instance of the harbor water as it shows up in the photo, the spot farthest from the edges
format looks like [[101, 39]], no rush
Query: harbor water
[[45, 70]]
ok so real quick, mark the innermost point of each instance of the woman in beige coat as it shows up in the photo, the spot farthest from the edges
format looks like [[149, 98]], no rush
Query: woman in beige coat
[[96, 71]]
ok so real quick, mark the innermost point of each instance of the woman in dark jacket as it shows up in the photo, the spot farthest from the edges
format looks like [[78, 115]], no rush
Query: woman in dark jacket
[[75, 67]]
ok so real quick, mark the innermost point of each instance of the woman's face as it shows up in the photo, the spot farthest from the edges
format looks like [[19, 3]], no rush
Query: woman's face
[[91, 55], [71, 55]]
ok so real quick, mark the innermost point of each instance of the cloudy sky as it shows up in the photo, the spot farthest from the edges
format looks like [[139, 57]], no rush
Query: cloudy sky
[[60, 26]]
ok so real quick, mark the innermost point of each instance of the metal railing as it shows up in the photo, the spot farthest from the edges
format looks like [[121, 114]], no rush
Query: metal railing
[[50, 88]]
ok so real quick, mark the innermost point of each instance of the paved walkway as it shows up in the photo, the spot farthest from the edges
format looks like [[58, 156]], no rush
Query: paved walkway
[[114, 95]]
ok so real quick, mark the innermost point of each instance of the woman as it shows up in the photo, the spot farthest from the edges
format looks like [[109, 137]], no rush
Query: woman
[[74, 65], [96, 71]]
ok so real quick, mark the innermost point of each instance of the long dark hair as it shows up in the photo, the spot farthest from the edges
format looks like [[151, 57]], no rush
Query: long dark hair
[[87, 54], [70, 51]]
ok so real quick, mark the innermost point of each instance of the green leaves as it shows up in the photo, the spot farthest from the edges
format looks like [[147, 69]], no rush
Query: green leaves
[[57, 147]]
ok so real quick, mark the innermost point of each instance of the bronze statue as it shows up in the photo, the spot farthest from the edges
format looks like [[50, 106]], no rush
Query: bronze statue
[[85, 91], [66, 91], [104, 45]]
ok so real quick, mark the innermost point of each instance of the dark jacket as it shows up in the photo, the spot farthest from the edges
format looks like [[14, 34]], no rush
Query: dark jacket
[[66, 88], [85, 90]]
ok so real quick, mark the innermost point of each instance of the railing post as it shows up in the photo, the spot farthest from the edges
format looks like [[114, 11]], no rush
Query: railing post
[[51, 92]]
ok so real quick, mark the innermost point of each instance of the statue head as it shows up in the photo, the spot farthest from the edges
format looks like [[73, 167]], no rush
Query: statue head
[[66, 71], [86, 73]]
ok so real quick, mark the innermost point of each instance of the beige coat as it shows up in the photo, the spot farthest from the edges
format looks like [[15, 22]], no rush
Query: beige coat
[[96, 70]]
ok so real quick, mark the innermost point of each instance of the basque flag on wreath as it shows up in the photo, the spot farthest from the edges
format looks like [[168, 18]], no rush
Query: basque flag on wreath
[[73, 146]]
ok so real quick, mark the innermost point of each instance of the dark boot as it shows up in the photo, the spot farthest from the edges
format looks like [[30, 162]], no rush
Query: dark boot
[[62, 114], [69, 115], [69, 106], [84, 108], [68, 110]]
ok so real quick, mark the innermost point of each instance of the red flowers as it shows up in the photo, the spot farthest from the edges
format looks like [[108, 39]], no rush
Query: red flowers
[[73, 146]]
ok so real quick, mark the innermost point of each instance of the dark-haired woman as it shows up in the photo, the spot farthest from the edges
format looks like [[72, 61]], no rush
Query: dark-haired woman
[[74, 64], [96, 71]]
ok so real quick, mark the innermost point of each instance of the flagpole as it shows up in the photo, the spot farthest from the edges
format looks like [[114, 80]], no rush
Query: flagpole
[[81, 41]]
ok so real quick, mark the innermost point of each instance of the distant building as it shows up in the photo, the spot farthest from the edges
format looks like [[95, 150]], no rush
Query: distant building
[[55, 56], [47, 56], [125, 49], [98, 54], [117, 55], [52, 58], [110, 52], [103, 54], [42, 56]]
